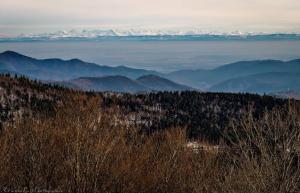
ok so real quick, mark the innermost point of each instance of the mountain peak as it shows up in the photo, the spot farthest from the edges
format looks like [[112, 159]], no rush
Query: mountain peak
[[149, 76], [11, 53], [155, 82], [112, 77], [14, 57], [75, 60]]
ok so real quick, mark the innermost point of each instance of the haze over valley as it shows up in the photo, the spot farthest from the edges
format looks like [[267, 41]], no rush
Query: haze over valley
[[259, 76], [165, 56]]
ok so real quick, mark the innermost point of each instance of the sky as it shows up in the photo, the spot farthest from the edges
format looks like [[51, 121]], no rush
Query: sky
[[38, 16]]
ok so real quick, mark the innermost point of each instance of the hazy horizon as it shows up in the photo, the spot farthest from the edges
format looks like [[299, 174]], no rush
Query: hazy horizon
[[31, 16], [164, 56]]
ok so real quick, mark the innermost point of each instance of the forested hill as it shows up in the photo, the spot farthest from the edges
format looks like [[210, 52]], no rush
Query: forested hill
[[204, 115], [22, 97]]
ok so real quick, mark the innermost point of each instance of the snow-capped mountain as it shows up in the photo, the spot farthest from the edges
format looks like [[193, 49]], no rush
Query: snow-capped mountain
[[151, 34], [129, 32]]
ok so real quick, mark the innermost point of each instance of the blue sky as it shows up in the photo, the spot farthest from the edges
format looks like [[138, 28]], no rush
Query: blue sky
[[37, 16]]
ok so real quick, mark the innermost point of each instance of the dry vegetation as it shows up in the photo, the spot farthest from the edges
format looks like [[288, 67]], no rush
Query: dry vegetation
[[79, 149]]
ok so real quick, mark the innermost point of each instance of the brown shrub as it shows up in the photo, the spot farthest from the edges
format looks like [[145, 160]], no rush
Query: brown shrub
[[264, 153], [81, 149]]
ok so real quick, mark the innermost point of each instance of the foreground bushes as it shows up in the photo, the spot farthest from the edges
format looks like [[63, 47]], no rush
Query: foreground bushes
[[81, 149], [265, 153]]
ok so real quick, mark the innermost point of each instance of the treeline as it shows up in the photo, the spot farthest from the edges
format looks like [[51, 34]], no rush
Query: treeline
[[204, 115]]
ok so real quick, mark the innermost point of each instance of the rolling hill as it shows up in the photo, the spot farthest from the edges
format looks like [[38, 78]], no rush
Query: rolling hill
[[107, 83], [260, 83], [123, 84], [157, 83]]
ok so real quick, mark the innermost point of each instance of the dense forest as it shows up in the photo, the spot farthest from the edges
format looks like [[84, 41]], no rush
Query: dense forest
[[204, 115], [57, 139]]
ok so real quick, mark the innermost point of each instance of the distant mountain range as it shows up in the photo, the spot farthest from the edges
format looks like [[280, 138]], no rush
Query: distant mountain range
[[57, 69], [261, 76], [86, 76], [146, 34]]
